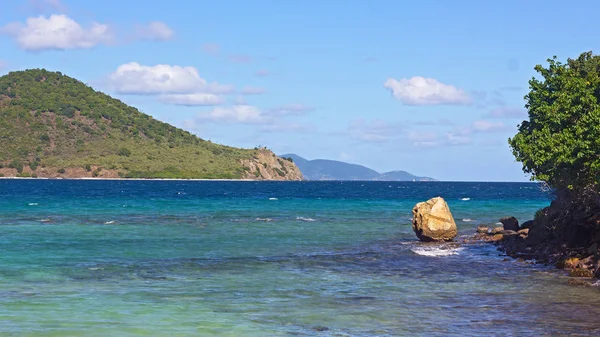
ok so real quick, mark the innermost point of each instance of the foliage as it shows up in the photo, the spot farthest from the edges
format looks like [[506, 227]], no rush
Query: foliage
[[560, 143], [125, 152], [52, 120]]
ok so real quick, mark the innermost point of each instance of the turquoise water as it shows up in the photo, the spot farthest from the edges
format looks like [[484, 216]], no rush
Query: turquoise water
[[157, 258]]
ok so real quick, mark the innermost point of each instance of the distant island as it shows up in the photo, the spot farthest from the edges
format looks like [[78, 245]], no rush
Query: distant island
[[323, 169], [55, 126]]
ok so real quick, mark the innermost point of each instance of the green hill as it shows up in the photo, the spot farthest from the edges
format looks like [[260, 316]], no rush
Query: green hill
[[52, 125], [323, 169]]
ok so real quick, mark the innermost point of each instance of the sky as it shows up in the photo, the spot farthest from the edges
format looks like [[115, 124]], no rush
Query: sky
[[434, 88]]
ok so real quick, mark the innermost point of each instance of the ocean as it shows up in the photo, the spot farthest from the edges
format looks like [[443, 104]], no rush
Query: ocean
[[225, 258]]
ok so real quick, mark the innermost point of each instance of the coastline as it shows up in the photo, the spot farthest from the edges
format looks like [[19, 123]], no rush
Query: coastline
[[578, 263], [137, 179]]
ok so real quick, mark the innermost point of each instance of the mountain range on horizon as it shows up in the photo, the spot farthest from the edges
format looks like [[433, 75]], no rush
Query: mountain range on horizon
[[325, 169]]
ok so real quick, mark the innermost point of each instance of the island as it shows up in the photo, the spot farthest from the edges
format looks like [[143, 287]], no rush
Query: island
[[55, 126]]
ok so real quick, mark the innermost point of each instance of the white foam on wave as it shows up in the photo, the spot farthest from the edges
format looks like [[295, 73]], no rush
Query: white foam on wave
[[33, 204], [467, 220], [109, 222], [465, 199], [305, 219], [264, 219], [273, 199], [45, 220], [436, 251]]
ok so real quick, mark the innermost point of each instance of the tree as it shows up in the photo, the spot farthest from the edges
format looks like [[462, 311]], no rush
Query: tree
[[560, 143]]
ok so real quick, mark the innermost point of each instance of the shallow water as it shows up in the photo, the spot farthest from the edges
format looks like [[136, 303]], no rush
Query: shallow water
[[176, 258]]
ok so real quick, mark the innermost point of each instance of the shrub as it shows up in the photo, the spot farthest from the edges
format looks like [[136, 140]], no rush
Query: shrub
[[16, 164], [558, 144], [45, 138], [61, 170], [88, 167], [125, 152], [279, 172]]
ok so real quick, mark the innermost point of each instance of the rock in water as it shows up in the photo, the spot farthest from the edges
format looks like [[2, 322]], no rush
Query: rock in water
[[510, 223], [432, 221]]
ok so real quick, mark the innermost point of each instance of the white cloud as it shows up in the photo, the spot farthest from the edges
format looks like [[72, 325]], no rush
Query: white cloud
[[442, 122], [198, 99], [237, 114], [250, 115], [262, 73], [422, 138], [282, 126], [426, 91], [57, 32], [487, 126], [211, 48], [457, 139], [240, 100], [344, 156], [253, 91], [134, 78], [376, 131], [516, 113], [290, 110], [155, 31]]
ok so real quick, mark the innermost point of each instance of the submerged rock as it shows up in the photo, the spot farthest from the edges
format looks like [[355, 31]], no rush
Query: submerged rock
[[579, 282], [581, 272], [510, 223], [482, 229], [571, 263], [497, 230], [494, 238], [432, 221]]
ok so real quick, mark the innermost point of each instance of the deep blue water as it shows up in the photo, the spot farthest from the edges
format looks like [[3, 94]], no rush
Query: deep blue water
[[219, 258]]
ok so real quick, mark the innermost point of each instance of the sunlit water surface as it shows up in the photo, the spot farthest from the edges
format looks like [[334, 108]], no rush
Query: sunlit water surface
[[184, 258]]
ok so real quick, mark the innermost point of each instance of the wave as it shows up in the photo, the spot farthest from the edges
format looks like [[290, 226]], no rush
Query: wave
[[305, 219], [273, 199], [33, 204], [436, 251], [264, 219], [467, 220], [109, 222], [465, 199]]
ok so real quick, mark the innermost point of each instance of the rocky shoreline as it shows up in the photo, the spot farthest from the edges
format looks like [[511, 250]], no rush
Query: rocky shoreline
[[580, 264], [565, 235]]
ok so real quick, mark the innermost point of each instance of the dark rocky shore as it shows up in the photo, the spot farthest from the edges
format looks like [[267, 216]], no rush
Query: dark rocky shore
[[534, 242], [565, 234]]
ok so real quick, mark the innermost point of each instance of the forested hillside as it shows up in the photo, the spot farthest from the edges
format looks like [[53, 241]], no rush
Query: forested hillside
[[52, 125]]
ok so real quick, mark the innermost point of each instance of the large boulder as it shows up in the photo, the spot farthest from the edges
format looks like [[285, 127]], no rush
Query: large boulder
[[432, 221], [510, 223]]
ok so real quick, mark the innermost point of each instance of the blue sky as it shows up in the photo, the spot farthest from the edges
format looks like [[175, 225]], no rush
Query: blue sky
[[431, 87]]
